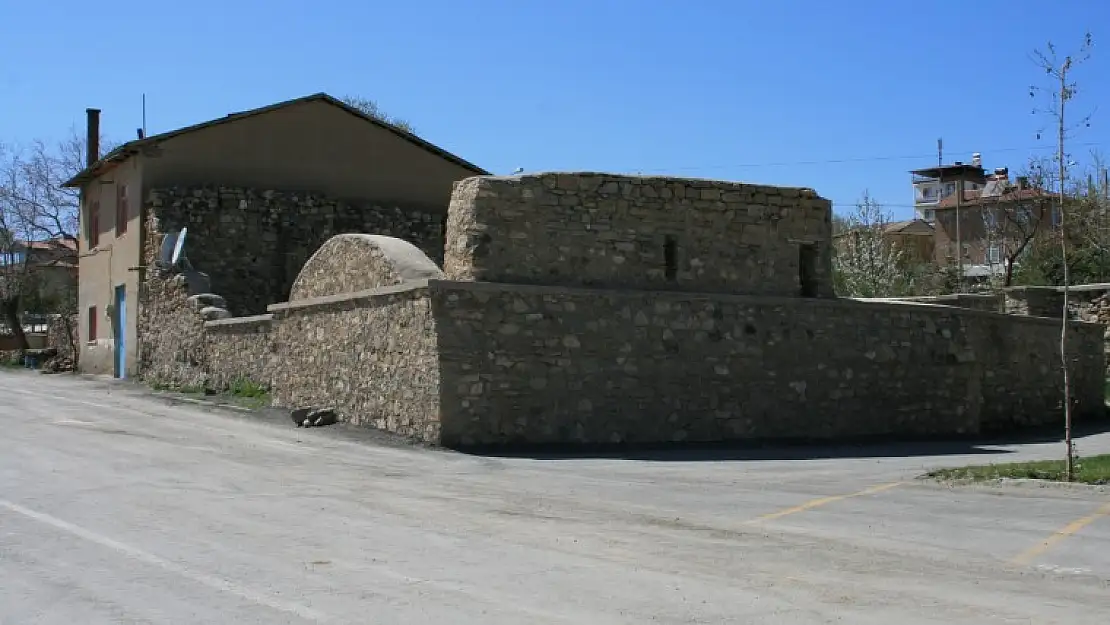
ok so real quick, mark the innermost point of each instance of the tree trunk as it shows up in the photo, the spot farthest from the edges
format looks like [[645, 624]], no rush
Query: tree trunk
[[1069, 447], [11, 316]]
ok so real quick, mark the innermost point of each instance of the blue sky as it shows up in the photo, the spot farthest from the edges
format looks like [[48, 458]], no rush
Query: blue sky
[[829, 95]]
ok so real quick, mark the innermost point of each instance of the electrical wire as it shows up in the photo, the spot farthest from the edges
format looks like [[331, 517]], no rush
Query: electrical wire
[[865, 159]]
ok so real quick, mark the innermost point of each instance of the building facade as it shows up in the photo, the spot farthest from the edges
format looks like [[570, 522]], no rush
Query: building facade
[[313, 146]]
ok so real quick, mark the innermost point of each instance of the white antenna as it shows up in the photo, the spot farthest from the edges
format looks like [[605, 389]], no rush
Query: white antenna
[[177, 246]]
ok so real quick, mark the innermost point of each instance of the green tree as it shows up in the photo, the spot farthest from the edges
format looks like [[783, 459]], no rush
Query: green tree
[[865, 263]]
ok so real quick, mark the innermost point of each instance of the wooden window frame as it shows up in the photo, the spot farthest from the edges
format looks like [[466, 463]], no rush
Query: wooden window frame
[[94, 223], [90, 324], [122, 210]]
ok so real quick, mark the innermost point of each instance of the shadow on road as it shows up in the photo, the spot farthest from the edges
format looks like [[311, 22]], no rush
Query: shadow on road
[[788, 449]]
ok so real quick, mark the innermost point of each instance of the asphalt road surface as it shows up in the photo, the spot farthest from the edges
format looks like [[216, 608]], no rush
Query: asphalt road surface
[[118, 507]]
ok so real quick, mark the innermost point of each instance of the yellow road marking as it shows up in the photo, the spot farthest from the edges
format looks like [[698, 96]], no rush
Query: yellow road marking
[[809, 505], [1071, 528]]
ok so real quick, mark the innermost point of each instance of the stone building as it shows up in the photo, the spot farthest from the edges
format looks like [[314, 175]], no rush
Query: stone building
[[584, 308], [258, 192]]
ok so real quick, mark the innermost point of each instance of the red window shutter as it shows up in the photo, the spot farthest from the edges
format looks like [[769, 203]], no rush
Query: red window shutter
[[122, 211]]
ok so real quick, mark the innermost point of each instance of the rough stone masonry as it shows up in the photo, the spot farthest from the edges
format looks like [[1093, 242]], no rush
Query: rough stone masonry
[[667, 234], [252, 243], [595, 308]]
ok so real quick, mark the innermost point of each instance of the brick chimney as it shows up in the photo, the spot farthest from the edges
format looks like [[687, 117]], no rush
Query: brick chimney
[[92, 141]]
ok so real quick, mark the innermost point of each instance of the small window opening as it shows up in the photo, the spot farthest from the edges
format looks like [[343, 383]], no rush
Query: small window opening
[[91, 324], [807, 269], [670, 256]]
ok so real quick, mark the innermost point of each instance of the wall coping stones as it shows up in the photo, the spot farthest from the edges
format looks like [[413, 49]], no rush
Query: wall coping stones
[[762, 300], [232, 322], [706, 183], [1098, 286], [355, 297]]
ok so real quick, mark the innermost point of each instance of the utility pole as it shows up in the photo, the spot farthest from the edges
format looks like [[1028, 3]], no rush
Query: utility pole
[[959, 239]]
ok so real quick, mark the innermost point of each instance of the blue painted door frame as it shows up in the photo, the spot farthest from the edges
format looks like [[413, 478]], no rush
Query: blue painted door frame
[[120, 330]]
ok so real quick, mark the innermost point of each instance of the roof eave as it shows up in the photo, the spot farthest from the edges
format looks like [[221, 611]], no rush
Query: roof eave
[[104, 164]]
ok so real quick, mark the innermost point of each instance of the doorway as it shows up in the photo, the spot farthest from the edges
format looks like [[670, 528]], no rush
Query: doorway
[[807, 269], [119, 329]]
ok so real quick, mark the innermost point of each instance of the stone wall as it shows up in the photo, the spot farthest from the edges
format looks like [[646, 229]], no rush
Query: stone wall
[[173, 347], [239, 348], [62, 335], [1086, 302], [1034, 301], [183, 346], [371, 356], [543, 365], [605, 230], [253, 243], [573, 345]]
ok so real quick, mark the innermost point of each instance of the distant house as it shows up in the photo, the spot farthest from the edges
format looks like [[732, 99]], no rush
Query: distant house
[[51, 266], [259, 191], [45, 272], [989, 224], [912, 237]]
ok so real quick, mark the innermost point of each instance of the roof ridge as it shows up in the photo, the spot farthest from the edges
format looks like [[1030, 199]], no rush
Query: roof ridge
[[130, 148]]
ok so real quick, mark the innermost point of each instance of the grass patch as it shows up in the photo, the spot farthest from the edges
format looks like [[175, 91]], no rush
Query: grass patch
[[248, 393], [184, 389], [245, 387], [1090, 470], [241, 391]]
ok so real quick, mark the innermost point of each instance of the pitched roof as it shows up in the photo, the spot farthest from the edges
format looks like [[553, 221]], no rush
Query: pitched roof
[[130, 148], [909, 226], [976, 197], [64, 251], [916, 227], [56, 243]]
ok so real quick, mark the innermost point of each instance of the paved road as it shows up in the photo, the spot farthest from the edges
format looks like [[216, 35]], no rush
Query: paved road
[[116, 507]]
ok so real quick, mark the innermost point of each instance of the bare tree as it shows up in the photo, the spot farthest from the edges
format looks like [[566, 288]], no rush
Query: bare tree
[[1014, 214], [1062, 92], [866, 263], [371, 109], [36, 213]]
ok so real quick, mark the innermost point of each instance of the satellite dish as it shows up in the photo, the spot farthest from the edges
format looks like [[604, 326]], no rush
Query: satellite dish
[[169, 242], [178, 245]]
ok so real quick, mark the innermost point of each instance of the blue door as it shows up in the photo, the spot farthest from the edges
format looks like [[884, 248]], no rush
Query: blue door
[[120, 331]]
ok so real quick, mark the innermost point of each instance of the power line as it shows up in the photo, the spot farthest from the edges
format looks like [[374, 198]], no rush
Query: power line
[[834, 161], [880, 203]]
